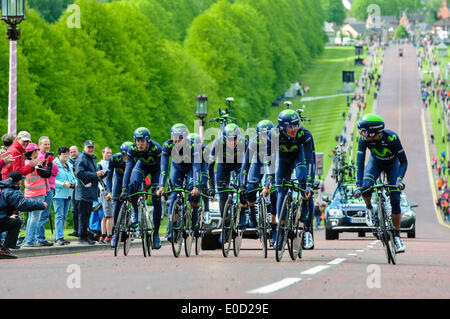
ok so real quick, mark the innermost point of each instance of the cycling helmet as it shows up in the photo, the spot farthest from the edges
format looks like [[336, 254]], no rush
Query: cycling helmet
[[194, 137], [264, 126], [231, 131], [125, 147], [142, 133], [288, 117], [179, 130], [370, 125]]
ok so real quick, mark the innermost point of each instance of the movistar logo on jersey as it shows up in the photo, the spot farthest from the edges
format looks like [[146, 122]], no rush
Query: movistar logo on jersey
[[284, 148], [147, 160], [392, 138], [384, 153]]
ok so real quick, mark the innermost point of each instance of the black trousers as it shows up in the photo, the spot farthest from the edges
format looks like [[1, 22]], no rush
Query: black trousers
[[75, 214], [12, 226], [84, 213]]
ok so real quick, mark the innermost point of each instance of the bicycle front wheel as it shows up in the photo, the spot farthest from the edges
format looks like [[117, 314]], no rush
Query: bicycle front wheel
[[282, 229], [227, 227], [119, 228], [177, 227], [384, 232], [295, 236], [143, 228], [262, 225], [188, 233]]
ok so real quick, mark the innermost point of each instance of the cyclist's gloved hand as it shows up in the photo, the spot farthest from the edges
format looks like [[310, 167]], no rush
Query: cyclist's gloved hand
[[308, 191], [399, 184], [358, 193], [124, 194]]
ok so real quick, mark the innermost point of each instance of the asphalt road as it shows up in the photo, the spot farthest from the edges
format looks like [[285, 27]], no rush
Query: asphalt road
[[350, 267]]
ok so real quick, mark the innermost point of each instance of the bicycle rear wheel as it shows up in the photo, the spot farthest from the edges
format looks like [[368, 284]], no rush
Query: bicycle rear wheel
[[227, 227], [119, 228], [282, 229], [176, 227], [262, 225]]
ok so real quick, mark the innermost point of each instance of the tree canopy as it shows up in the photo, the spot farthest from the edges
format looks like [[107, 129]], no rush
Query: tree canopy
[[108, 77]]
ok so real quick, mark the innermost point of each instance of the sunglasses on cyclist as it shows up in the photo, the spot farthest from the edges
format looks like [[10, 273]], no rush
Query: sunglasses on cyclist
[[366, 133]]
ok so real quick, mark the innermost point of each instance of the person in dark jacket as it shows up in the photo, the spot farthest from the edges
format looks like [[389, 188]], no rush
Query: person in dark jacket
[[87, 190], [11, 201]]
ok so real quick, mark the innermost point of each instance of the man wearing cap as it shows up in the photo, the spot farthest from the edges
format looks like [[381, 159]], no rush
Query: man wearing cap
[[11, 201], [17, 149], [86, 191]]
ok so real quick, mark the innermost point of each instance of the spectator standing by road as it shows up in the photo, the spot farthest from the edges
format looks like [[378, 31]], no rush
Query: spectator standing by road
[[44, 153], [11, 201], [36, 189], [65, 184], [73, 151], [86, 191], [107, 204], [17, 150], [317, 214]]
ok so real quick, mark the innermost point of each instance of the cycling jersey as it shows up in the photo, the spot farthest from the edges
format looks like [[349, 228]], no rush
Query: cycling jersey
[[291, 148], [255, 160], [185, 158], [385, 151], [150, 158], [231, 159]]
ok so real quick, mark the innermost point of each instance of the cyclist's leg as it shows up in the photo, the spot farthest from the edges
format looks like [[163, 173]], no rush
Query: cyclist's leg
[[116, 190], [137, 177], [223, 179], [284, 171], [156, 202], [254, 180], [392, 174], [194, 200], [371, 173], [242, 199]]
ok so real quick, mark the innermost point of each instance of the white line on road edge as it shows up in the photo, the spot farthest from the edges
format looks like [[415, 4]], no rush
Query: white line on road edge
[[370, 246], [352, 254], [275, 286], [337, 261], [360, 251], [314, 270]]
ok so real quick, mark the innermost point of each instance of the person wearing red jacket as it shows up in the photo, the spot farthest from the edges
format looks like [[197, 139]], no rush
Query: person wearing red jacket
[[17, 149]]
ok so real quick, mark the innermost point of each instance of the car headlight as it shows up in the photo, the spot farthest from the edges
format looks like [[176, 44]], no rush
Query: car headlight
[[335, 212], [407, 214]]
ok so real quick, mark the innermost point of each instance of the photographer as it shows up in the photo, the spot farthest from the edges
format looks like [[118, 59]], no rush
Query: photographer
[[47, 156], [65, 185], [35, 188]]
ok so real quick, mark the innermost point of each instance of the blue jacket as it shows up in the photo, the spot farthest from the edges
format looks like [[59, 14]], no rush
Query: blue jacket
[[64, 175], [86, 172], [12, 199]]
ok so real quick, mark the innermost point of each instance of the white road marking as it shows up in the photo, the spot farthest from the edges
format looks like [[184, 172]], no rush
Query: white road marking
[[275, 286], [352, 254], [370, 246], [336, 261], [360, 251], [314, 270]]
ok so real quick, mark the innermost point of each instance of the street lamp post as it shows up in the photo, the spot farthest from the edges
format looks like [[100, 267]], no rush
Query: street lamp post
[[201, 110], [13, 12]]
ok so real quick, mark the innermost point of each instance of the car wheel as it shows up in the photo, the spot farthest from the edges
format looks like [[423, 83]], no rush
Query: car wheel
[[331, 235], [412, 233]]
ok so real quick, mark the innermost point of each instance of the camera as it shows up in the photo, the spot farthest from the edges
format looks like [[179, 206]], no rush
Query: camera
[[47, 154]]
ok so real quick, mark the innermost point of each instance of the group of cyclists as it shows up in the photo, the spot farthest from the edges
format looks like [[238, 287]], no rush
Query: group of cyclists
[[266, 162]]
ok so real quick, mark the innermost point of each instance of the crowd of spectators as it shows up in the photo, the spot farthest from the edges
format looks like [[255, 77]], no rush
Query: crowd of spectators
[[33, 179]]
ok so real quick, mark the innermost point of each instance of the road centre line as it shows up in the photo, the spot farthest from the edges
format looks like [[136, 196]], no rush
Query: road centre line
[[275, 286], [314, 270], [337, 261]]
